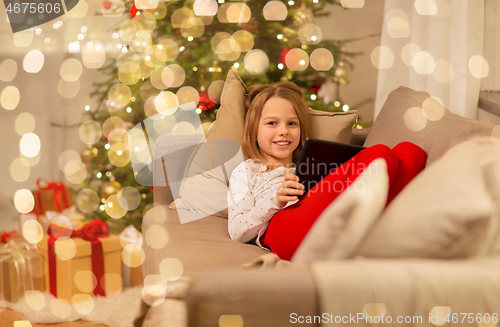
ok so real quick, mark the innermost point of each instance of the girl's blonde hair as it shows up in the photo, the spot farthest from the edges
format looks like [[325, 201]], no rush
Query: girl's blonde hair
[[256, 98]]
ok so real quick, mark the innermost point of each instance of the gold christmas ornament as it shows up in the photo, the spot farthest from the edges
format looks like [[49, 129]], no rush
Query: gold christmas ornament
[[89, 153], [110, 188], [341, 73]]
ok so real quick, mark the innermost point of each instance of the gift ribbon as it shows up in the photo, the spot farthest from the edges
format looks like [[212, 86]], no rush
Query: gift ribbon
[[90, 232], [15, 251], [6, 235], [59, 189]]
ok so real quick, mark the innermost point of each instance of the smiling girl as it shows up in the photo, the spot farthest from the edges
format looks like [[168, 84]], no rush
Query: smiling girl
[[263, 202]]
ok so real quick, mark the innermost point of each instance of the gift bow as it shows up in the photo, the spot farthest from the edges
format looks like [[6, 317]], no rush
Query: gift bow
[[59, 188], [6, 235], [90, 232]]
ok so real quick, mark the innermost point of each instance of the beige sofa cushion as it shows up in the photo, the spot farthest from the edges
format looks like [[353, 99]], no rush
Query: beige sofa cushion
[[439, 214], [205, 184], [199, 245], [436, 137], [343, 225]]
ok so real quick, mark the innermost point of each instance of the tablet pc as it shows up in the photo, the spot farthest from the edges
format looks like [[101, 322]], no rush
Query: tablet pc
[[319, 157]]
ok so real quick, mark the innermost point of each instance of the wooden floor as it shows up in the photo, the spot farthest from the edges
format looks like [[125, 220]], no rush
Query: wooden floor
[[8, 317]]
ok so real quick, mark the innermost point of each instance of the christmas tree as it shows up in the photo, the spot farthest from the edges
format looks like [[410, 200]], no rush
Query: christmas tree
[[178, 52]]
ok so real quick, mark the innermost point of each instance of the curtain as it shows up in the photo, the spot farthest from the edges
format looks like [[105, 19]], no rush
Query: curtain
[[434, 46]]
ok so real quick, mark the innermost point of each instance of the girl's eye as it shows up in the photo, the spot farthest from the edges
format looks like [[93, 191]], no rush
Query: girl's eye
[[272, 123], [293, 123]]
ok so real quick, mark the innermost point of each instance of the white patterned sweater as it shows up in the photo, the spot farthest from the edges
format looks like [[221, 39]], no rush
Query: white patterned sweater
[[252, 199]]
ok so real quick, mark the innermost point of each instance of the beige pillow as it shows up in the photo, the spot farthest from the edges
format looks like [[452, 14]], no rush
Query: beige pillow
[[343, 225], [392, 125], [205, 182], [439, 213]]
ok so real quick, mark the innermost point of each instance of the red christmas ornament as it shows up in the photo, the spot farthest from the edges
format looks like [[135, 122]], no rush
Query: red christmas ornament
[[106, 5], [283, 55], [204, 102], [316, 86], [133, 11]]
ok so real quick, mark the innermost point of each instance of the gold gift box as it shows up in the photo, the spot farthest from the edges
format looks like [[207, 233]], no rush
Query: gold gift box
[[74, 266], [45, 199], [20, 272]]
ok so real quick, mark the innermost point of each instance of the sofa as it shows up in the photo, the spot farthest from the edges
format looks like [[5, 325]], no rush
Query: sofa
[[432, 254]]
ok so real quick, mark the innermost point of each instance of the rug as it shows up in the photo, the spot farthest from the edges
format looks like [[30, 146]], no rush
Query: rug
[[118, 310]]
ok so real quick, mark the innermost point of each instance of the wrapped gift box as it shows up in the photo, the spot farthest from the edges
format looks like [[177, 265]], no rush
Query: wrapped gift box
[[74, 271], [52, 196], [21, 269]]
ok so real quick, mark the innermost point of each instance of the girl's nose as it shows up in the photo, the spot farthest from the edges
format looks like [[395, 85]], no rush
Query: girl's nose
[[283, 130]]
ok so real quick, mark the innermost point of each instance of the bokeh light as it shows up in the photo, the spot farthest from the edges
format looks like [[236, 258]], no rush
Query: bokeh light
[[256, 62], [115, 10], [374, 310], [67, 156], [398, 23], [432, 109], [87, 200], [113, 208], [173, 75], [8, 70], [85, 281], [82, 303], [24, 201], [90, 132], [9, 98], [179, 15], [29, 145], [128, 29], [297, 59], [170, 49], [129, 198], [156, 238], [238, 13], [32, 231], [33, 61], [166, 102], [146, 4], [75, 172], [133, 255], [183, 127], [426, 7], [441, 312], [186, 96], [275, 10], [478, 66], [118, 155], [443, 72], [230, 321], [129, 73], [160, 11], [222, 13], [217, 38], [34, 299], [171, 269], [24, 123], [414, 119], [408, 52], [20, 170], [68, 90], [192, 27], [382, 57], [153, 292], [23, 38], [321, 59], [228, 49], [424, 63], [119, 94], [244, 39], [114, 128], [310, 34], [61, 307], [156, 78], [205, 7], [71, 70]]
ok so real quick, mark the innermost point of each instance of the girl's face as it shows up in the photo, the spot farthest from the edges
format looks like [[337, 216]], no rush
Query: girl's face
[[278, 133]]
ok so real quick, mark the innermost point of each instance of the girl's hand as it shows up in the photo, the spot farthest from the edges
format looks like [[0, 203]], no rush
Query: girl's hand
[[289, 189]]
